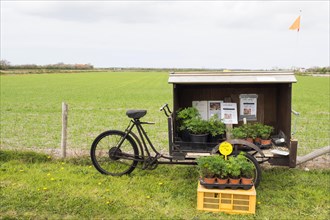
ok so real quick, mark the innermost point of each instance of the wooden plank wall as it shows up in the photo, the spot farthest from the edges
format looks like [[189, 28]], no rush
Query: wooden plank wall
[[274, 100]]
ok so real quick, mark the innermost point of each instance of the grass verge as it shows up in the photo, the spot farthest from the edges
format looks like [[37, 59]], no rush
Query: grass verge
[[36, 186]]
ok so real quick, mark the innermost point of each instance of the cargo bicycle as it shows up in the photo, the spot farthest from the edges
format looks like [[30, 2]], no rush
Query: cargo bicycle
[[118, 153]]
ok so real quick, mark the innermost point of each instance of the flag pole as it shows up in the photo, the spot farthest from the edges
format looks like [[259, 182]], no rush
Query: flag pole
[[296, 26]]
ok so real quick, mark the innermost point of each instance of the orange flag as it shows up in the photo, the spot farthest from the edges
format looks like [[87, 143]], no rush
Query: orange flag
[[296, 24]]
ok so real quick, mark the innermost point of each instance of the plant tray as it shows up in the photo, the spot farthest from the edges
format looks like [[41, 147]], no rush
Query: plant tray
[[261, 146], [267, 146], [225, 186]]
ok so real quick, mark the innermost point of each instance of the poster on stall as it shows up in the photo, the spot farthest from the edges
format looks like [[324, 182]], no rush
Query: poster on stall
[[229, 113], [248, 106], [214, 108], [201, 106]]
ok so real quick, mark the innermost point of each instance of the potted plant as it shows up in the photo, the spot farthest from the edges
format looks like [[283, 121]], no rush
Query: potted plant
[[257, 127], [234, 170], [190, 121], [247, 172], [245, 132], [238, 133], [247, 169], [216, 128], [198, 129], [206, 168], [250, 131], [221, 169], [264, 133], [183, 116]]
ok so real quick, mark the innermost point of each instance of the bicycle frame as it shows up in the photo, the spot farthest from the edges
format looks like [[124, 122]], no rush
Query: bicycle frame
[[143, 137], [143, 141]]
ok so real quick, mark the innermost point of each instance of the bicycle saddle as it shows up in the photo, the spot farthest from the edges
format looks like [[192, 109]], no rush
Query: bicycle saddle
[[136, 114]]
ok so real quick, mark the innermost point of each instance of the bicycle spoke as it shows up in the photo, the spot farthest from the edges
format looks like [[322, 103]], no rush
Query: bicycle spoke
[[109, 158]]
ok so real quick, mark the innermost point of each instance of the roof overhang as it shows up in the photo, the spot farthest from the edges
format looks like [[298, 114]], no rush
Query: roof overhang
[[231, 77]]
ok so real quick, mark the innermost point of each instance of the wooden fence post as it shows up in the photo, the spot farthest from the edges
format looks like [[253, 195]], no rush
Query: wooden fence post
[[229, 128], [64, 128]]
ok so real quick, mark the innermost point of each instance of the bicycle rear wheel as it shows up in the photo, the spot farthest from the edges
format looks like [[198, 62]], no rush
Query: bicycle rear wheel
[[109, 158]]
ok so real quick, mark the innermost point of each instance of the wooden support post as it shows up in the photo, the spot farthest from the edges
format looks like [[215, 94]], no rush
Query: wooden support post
[[64, 128], [316, 153], [293, 153], [229, 128]]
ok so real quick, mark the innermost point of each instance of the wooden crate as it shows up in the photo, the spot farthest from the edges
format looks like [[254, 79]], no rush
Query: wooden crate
[[226, 200]]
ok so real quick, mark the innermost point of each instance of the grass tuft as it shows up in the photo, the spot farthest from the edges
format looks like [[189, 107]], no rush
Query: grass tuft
[[23, 156]]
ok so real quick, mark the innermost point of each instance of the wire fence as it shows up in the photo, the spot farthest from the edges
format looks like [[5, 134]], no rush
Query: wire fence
[[43, 130], [312, 133]]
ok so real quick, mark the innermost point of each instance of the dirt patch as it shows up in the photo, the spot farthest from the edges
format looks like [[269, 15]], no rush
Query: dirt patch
[[57, 153], [321, 162]]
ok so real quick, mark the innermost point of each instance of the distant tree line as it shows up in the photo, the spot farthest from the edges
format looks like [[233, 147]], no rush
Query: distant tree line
[[319, 70], [5, 65]]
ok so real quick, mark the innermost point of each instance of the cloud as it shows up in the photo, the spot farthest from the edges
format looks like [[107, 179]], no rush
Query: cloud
[[175, 33], [85, 11], [231, 15]]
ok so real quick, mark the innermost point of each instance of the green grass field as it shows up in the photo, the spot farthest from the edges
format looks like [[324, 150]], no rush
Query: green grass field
[[34, 186], [311, 97], [31, 108]]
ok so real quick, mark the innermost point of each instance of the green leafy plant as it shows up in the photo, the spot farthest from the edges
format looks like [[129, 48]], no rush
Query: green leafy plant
[[216, 126], [206, 166], [257, 127], [190, 119], [239, 133], [184, 116], [247, 168], [250, 130], [197, 126], [220, 167], [265, 131], [234, 168], [247, 131]]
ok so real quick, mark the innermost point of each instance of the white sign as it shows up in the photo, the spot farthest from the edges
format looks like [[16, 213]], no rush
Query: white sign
[[229, 113], [248, 106], [201, 106], [214, 108]]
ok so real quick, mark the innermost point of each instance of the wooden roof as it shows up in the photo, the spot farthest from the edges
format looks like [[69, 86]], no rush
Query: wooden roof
[[246, 77]]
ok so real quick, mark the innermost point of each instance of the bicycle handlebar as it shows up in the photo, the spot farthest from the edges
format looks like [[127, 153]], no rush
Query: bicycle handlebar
[[166, 109], [162, 108], [295, 113]]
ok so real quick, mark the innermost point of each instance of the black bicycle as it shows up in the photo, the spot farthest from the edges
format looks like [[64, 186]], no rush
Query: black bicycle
[[117, 153]]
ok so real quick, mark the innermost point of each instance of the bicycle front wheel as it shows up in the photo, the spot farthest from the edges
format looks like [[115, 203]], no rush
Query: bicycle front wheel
[[111, 154]]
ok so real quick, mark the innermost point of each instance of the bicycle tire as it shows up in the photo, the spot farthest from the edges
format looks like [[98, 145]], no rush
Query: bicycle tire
[[257, 171], [111, 160]]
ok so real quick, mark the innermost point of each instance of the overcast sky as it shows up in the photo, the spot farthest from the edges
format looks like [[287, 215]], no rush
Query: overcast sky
[[171, 34]]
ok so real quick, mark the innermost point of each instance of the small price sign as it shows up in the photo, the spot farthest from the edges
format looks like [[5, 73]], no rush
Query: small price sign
[[225, 148]]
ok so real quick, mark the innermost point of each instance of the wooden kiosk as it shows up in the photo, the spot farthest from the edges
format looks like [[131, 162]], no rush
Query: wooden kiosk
[[271, 90]]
